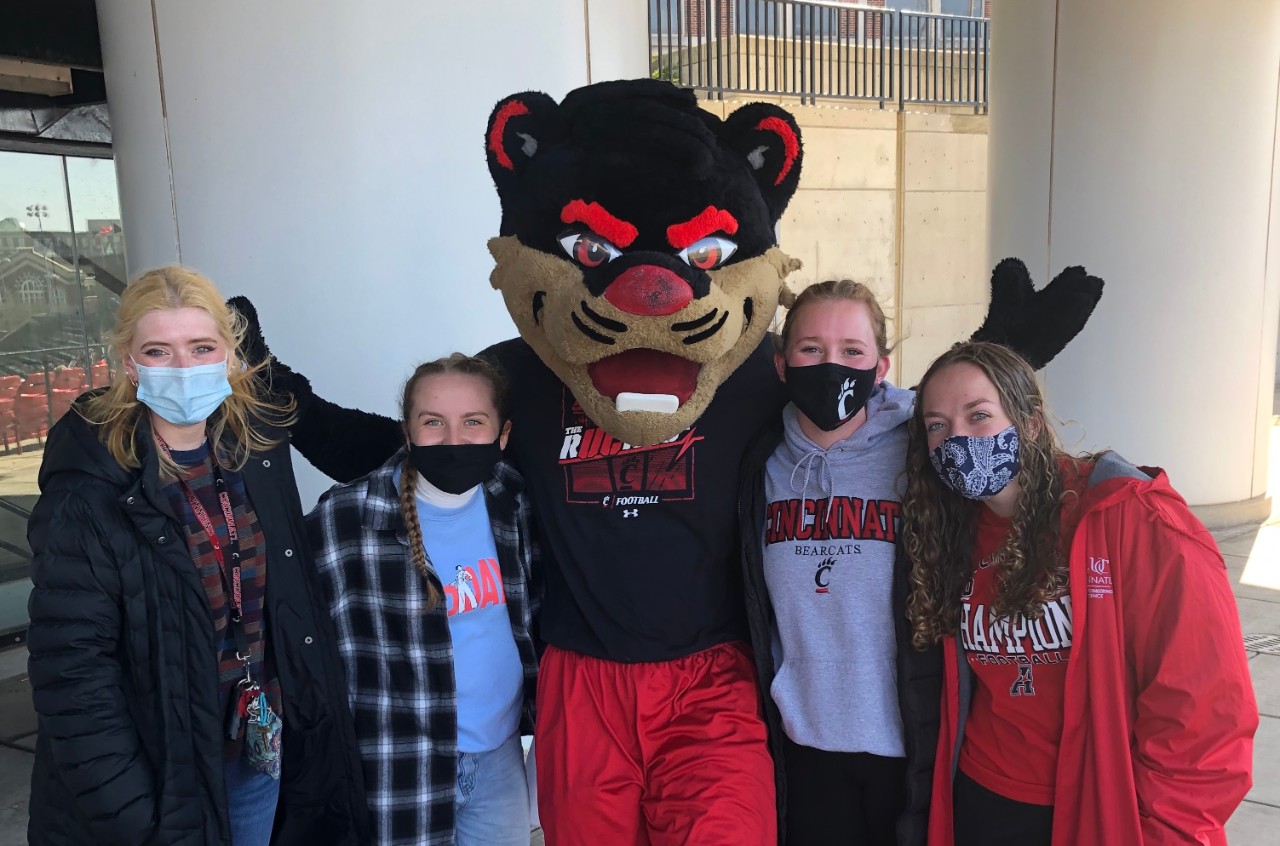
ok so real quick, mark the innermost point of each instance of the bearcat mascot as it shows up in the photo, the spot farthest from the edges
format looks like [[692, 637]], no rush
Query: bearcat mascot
[[637, 257]]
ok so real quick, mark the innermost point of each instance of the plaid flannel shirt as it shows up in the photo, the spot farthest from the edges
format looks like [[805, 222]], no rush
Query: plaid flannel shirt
[[399, 657]]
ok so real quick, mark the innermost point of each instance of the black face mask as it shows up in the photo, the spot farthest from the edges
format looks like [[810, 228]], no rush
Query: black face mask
[[455, 468], [829, 394]]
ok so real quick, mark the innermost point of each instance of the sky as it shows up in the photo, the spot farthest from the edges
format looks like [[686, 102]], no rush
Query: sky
[[31, 178]]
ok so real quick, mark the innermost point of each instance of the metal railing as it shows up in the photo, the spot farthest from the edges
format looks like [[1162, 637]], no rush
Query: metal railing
[[820, 49]]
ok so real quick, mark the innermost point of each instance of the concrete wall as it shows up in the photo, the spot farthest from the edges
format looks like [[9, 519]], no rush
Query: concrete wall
[[1097, 158], [327, 160], [945, 273], [898, 201]]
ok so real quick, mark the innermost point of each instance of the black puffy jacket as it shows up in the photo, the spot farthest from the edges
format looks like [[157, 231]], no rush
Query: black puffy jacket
[[919, 673], [123, 662]]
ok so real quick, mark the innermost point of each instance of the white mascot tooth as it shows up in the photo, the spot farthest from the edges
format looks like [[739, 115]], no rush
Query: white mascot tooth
[[661, 403]]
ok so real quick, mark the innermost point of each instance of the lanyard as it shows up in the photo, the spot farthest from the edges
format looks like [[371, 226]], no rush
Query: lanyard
[[231, 580]]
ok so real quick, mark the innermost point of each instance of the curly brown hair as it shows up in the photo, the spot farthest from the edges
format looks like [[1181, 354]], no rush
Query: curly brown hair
[[456, 363], [939, 525]]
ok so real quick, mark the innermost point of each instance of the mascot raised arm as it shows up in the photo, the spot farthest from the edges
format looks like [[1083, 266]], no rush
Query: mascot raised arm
[[638, 259]]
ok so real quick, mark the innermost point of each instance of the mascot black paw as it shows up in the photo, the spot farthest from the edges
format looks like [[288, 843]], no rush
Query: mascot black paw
[[282, 382], [1038, 324]]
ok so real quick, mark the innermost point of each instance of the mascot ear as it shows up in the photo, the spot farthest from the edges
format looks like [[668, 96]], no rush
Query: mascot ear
[[768, 137], [1037, 324], [518, 126]]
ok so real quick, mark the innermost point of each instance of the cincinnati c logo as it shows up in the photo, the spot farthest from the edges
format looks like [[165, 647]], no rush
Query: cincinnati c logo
[[821, 578], [846, 394]]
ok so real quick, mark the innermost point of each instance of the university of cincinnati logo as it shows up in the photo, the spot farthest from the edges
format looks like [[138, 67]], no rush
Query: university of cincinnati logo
[[846, 395], [1099, 577], [822, 577]]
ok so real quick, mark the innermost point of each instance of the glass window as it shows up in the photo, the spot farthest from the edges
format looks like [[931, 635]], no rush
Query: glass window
[[32, 290], [61, 274]]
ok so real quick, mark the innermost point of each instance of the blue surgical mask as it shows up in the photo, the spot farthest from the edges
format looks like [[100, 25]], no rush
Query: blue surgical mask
[[977, 467], [183, 396]]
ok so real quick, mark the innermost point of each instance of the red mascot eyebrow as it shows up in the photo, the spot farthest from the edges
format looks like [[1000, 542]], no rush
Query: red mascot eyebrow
[[790, 144], [513, 109], [617, 231], [710, 219]]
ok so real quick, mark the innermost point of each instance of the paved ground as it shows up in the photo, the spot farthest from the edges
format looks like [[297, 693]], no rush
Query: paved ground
[[17, 741], [1253, 557], [18, 472]]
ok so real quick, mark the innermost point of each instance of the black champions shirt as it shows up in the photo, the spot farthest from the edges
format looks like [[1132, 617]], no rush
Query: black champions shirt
[[639, 544]]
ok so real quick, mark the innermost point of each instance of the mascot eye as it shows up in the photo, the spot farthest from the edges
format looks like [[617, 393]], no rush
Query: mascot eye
[[709, 253], [588, 250]]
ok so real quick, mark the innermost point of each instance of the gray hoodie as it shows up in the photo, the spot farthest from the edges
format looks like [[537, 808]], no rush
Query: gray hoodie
[[831, 535]]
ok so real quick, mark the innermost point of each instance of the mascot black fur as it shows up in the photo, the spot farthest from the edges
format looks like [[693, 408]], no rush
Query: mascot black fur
[[637, 258]]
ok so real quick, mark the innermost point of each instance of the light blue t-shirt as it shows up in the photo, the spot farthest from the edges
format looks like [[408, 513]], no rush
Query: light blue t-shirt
[[490, 678]]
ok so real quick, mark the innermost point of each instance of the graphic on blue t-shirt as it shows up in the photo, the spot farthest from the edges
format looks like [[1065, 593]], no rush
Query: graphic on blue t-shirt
[[473, 587], [486, 662]]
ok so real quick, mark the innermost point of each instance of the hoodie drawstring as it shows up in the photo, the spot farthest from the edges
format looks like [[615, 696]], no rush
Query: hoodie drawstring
[[807, 462]]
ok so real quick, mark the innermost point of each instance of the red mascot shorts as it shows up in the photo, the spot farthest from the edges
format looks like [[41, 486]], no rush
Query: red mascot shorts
[[671, 752]]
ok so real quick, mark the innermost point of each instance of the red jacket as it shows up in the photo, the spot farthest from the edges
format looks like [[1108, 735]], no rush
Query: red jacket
[[1157, 744]]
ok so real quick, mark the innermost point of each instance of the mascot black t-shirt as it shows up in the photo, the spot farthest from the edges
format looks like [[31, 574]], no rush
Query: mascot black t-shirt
[[614, 590]]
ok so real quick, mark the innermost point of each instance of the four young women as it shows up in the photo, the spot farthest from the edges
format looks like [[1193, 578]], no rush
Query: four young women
[[1093, 689]]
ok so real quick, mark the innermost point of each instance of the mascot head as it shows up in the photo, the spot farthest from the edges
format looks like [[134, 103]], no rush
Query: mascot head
[[637, 253]]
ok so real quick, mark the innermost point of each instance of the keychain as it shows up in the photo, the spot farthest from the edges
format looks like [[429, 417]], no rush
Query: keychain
[[245, 691], [262, 736]]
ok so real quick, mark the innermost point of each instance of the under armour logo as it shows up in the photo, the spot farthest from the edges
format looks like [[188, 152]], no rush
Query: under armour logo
[[631, 512], [1025, 684]]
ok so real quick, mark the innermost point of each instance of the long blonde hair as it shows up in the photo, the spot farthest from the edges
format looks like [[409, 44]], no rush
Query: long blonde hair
[[938, 525], [117, 412], [456, 363]]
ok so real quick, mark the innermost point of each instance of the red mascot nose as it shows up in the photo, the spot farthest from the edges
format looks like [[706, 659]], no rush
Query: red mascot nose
[[649, 290]]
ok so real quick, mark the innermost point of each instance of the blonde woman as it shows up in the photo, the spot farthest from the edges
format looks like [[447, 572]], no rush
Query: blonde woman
[[184, 675], [852, 709]]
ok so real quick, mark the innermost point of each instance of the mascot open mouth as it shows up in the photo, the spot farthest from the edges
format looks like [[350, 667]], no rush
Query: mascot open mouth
[[645, 380]]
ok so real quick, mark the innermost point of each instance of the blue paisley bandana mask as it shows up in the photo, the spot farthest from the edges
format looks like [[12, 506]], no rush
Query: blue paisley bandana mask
[[977, 467]]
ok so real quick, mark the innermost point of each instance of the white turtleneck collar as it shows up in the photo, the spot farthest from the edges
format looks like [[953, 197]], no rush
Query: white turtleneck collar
[[433, 496]]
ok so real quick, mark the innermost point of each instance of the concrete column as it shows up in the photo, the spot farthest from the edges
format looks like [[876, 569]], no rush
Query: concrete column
[[328, 161], [1139, 139]]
